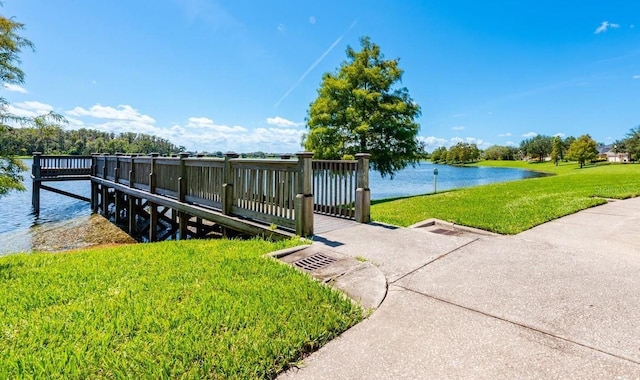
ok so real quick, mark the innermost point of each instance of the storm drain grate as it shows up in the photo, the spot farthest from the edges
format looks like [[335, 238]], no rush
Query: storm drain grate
[[313, 262], [442, 231]]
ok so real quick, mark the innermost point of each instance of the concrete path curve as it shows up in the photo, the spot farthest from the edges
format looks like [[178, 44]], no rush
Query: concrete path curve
[[561, 300]]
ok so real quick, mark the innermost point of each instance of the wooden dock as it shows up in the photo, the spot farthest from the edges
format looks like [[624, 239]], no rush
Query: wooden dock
[[189, 197]]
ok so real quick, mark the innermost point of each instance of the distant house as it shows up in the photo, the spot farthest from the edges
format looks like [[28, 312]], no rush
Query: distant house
[[606, 152]]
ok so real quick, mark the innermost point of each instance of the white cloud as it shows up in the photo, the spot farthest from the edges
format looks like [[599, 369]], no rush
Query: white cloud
[[470, 140], [281, 27], [15, 88], [559, 134], [530, 134], [636, 77], [282, 122], [203, 122], [606, 25], [458, 128], [510, 143], [505, 134], [195, 133], [28, 109], [432, 142], [122, 112]]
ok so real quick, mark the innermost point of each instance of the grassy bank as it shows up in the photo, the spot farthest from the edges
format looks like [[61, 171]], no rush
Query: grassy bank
[[512, 207], [190, 309]]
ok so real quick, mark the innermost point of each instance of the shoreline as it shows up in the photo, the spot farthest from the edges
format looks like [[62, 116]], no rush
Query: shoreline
[[77, 233]]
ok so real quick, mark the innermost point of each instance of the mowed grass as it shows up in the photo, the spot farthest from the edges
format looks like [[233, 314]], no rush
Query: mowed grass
[[189, 309], [513, 207]]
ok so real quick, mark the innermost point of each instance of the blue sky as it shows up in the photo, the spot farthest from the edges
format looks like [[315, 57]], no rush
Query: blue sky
[[240, 75]]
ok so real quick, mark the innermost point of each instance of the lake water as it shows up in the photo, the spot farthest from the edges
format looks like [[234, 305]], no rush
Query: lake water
[[18, 223], [419, 180]]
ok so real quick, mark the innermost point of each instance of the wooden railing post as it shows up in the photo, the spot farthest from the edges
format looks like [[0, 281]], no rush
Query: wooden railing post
[[116, 171], [304, 196], [132, 209], [35, 175], [153, 208], [94, 185], [182, 192], [363, 193], [105, 190], [227, 185]]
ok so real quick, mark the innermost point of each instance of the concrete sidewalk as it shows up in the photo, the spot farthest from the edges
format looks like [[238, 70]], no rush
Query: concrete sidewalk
[[561, 300]]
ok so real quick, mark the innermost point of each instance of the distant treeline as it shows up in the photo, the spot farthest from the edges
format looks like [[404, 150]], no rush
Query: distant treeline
[[55, 140]]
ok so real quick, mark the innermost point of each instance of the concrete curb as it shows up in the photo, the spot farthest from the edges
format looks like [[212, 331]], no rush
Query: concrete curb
[[452, 226], [361, 281]]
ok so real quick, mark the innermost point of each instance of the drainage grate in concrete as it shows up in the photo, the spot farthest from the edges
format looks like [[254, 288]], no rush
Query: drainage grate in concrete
[[313, 262], [442, 231]]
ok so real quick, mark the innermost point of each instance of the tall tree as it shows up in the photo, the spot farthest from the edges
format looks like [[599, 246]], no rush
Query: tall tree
[[358, 110], [556, 150], [632, 142], [583, 149], [539, 146], [11, 44]]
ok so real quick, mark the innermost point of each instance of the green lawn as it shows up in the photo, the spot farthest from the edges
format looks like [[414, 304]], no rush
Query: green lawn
[[189, 309], [512, 207]]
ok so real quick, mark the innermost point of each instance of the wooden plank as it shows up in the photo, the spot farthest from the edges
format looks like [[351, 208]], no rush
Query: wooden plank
[[235, 223], [65, 193]]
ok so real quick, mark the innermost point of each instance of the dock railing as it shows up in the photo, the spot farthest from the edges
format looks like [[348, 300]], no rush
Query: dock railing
[[284, 192], [270, 191], [341, 188], [54, 169]]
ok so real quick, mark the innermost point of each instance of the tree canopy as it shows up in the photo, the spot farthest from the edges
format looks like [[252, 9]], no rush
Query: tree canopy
[[51, 139], [583, 149], [11, 44], [632, 143], [557, 150], [539, 146], [358, 111]]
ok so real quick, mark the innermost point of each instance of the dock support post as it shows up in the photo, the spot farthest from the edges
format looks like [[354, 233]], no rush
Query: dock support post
[[131, 213], [105, 191], [363, 193], [35, 175], [304, 197], [132, 209], [183, 218], [153, 208], [119, 204], [94, 197], [94, 185]]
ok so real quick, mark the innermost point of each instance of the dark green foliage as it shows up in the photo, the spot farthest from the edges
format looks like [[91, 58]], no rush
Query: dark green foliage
[[632, 143], [52, 139], [582, 150], [500, 153], [557, 150], [358, 111], [439, 155], [11, 44], [539, 146], [460, 153]]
